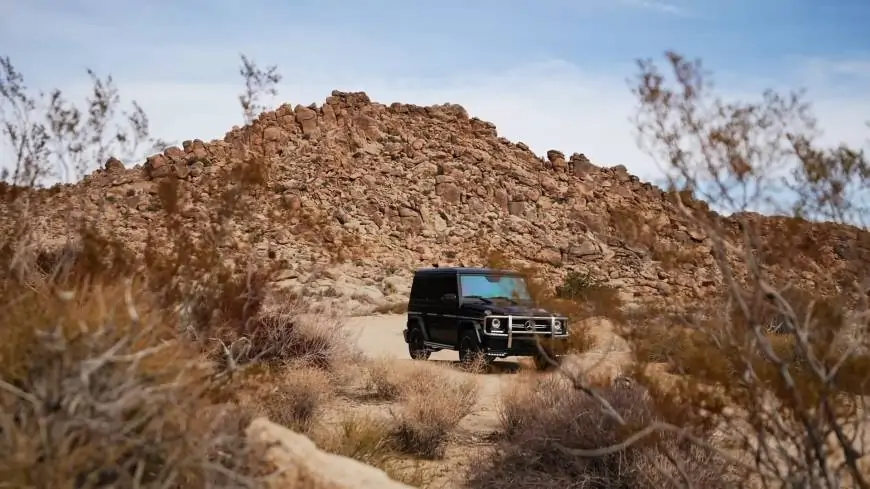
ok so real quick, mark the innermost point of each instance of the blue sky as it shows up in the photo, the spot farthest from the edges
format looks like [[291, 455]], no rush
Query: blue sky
[[551, 73]]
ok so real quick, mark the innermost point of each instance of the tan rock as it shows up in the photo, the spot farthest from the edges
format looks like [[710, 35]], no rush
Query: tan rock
[[113, 165], [297, 459], [416, 184], [556, 158], [174, 153], [156, 166], [450, 192], [273, 133], [307, 118]]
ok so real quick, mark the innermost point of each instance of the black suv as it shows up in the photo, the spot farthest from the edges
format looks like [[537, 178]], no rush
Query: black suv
[[479, 311]]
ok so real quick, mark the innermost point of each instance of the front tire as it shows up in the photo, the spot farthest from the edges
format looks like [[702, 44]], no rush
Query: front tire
[[543, 363], [470, 350], [417, 350]]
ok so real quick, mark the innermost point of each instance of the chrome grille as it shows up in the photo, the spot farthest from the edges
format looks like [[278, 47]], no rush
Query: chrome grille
[[529, 324]]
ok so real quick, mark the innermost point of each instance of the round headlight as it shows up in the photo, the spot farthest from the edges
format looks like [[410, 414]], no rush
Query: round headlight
[[557, 325], [496, 323]]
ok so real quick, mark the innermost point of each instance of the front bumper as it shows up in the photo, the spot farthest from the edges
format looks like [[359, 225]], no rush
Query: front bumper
[[522, 328], [524, 345]]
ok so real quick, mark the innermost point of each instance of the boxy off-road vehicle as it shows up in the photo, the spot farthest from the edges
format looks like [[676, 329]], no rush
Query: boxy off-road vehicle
[[480, 312]]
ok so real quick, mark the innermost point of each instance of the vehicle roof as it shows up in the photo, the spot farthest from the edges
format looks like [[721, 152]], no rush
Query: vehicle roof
[[464, 271]]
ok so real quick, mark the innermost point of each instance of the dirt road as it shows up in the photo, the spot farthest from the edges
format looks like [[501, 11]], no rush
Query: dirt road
[[381, 336]]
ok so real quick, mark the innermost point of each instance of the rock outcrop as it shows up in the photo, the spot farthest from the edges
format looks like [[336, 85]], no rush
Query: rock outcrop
[[401, 186], [297, 461]]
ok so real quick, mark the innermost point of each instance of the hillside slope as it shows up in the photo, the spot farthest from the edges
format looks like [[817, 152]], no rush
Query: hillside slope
[[401, 186]]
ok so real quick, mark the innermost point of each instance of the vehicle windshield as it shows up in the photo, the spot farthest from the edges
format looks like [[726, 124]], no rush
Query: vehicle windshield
[[488, 287]]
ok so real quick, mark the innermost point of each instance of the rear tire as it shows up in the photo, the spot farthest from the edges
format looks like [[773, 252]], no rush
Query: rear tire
[[416, 348]]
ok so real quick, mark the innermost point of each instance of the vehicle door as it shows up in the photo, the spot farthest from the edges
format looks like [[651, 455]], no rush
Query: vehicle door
[[420, 304], [445, 308]]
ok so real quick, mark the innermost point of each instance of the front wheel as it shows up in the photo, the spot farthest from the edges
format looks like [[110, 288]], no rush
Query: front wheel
[[545, 362], [416, 348], [470, 351]]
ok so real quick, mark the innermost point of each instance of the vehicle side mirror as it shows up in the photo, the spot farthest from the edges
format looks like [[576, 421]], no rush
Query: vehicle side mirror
[[448, 297]]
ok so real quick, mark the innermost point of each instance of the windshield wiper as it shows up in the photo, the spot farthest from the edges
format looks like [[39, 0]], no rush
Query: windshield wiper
[[512, 301], [484, 299]]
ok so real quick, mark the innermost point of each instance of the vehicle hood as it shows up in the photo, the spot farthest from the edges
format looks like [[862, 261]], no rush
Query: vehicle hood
[[506, 309]]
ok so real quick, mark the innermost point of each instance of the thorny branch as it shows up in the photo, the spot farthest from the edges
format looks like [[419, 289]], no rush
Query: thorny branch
[[728, 154], [100, 390], [738, 156]]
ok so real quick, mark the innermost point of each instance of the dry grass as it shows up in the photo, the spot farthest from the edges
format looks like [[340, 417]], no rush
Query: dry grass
[[429, 416], [543, 419], [432, 402], [358, 436], [580, 296], [388, 381], [294, 334], [581, 339], [294, 398], [368, 439], [102, 392]]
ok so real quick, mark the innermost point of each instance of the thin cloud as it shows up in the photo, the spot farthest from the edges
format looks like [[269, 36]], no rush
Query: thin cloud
[[543, 95], [659, 6]]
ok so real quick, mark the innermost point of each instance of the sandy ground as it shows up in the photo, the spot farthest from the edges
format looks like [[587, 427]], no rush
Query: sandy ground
[[381, 336]]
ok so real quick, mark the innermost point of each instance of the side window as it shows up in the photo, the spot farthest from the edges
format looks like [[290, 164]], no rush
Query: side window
[[451, 286], [421, 288], [444, 284]]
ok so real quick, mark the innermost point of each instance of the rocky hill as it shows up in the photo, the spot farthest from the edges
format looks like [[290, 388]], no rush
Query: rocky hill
[[394, 187]]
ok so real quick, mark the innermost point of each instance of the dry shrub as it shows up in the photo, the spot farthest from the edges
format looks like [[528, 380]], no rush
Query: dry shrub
[[715, 351], [432, 402], [97, 390], [580, 296], [232, 303], [591, 294], [387, 379], [291, 333], [784, 371], [294, 398], [368, 439], [429, 416], [659, 341], [522, 398], [581, 340], [360, 437], [543, 421], [478, 364]]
